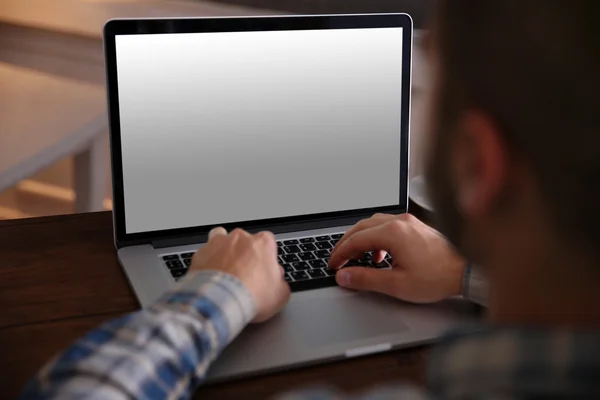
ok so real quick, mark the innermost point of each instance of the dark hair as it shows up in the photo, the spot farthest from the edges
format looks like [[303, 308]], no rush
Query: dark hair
[[533, 66]]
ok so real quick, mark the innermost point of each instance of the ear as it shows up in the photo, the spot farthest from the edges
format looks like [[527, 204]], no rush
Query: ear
[[480, 161]]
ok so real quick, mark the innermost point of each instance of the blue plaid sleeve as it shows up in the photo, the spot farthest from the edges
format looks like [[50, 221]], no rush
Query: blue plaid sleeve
[[163, 351]]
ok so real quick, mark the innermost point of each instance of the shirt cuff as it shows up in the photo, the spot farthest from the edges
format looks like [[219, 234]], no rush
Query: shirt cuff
[[232, 301], [475, 285]]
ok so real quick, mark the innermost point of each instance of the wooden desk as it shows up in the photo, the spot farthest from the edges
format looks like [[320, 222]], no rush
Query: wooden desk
[[59, 278]]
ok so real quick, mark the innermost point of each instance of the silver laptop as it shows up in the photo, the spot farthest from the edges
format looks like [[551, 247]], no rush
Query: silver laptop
[[294, 124]]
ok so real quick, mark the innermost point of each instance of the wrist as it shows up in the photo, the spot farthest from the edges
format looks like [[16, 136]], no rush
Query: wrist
[[225, 289]]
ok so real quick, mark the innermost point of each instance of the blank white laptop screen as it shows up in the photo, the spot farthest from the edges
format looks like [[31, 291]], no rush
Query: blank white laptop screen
[[239, 126]]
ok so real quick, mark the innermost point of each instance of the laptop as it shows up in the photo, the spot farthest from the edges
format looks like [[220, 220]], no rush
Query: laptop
[[294, 124]]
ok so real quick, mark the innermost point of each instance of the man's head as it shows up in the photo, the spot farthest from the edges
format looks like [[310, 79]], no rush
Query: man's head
[[516, 128]]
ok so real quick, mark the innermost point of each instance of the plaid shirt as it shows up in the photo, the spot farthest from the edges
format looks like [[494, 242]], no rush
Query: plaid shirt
[[165, 350]]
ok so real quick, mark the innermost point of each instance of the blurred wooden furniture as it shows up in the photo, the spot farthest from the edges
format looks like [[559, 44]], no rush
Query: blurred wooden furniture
[[55, 287], [87, 17], [44, 118], [64, 37]]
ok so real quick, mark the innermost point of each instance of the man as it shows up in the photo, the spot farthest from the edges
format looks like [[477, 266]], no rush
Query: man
[[514, 168]]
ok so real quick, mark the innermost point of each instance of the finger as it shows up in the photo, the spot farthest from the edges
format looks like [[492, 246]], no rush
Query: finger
[[380, 237], [214, 242], [379, 256], [373, 280], [375, 220], [238, 234], [269, 239], [218, 231]]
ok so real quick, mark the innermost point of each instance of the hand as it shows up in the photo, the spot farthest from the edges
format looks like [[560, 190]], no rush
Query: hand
[[253, 260], [425, 267]]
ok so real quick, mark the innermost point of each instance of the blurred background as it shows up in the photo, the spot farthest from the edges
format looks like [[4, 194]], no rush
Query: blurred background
[[54, 155]]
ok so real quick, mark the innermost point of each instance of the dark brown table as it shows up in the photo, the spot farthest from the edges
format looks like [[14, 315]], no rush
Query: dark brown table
[[59, 278]]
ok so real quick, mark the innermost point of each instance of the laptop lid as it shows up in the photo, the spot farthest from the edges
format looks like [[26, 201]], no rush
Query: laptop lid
[[284, 122]]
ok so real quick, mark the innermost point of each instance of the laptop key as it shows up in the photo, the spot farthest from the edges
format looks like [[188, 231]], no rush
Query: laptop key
[[337, 236], [307, 247], [288, 267], [176, 273], [288, 278], [300, 266], [322, 253], [292, 249], [307, 240], [299, 275], [352, 263], [317, 264], [290, 242], [187, 255], [280, 251], [329, 271], [174, 264], [366, 257], [323, 245], [279, 244], [288, 258], [316, 273], [335, 241], [171, 257], [307, 256], [187, 262], [322, 238]]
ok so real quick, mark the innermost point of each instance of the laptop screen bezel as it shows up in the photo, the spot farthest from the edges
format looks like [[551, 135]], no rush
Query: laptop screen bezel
[[239, 24]]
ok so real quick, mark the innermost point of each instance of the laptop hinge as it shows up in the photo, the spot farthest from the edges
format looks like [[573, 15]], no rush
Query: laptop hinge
[[279, 228], [179, 241]]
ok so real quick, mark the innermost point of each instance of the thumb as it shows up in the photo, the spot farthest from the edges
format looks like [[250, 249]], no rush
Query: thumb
[[367, 279]]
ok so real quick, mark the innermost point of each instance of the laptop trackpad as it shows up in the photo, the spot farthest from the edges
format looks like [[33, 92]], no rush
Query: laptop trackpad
[[322, 322]]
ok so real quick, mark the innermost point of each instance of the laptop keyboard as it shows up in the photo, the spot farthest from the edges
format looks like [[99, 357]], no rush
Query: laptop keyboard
[[304, 261], [178, 264]]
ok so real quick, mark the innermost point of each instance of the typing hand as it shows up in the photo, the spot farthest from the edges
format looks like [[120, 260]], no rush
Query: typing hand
[[253, 260], [425, 269]]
